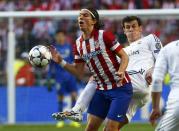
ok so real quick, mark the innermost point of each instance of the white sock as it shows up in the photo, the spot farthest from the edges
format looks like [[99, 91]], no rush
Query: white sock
[[85, 97]]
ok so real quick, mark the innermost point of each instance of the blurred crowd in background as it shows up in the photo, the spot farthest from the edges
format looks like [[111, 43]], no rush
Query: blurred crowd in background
[[34, 31]]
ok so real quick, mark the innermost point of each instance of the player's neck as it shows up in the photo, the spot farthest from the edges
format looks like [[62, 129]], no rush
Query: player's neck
[[133, 40], [87, 33]]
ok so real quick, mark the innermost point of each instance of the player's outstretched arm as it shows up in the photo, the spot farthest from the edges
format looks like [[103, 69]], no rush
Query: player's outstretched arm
[[75, 69]]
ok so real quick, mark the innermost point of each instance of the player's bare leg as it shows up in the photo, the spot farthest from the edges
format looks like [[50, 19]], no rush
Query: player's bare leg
[[120, 124], [93, 123], [112, 125]]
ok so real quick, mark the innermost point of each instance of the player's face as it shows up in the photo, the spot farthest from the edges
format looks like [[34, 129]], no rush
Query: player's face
[[60, 38], [85, 20], [132, 30]]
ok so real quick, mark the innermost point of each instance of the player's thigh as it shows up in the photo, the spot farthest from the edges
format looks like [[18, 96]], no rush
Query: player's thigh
[[99, 105], [132, 109], [93, 122], [134, 105], [120, 100]]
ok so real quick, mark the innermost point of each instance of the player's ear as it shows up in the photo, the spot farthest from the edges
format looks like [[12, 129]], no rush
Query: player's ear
[[141, 29], [94, 21]]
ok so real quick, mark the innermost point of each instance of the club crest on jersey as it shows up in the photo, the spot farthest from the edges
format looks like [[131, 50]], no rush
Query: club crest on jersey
[[158, 47]]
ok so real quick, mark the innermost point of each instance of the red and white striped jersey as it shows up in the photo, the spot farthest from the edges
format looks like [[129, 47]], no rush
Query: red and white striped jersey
[[99, 53]]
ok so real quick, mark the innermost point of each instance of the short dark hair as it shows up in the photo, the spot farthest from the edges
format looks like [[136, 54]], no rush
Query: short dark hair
[[60, 31], [131, 18], [98, 24]]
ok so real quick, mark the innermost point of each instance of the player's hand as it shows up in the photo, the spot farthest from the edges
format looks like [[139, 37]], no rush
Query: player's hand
[[148, 76], [154, 116], [121, 76], [56, 57]]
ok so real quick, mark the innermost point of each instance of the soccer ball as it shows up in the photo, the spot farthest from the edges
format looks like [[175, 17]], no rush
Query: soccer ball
[[40, 56]]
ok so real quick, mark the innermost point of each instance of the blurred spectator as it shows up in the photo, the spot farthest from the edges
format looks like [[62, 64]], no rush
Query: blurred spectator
[[22, 5], [43, 30], [68, 4], [157, 4], [131, 4], [54, 5], [115, 5], [10, 5], [176, 4], [25, 74], [3, 34], [168, 4], [2, 5]]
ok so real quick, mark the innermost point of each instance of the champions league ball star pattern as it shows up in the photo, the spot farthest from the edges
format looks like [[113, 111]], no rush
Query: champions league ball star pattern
[[40, 56]]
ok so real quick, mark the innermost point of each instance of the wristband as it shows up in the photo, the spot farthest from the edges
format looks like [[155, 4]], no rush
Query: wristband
[[63, 63]]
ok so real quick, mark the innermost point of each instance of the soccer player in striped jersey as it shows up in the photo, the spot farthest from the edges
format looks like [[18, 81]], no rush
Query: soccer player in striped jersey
[[167, 62], [100, 50], [142, 52]]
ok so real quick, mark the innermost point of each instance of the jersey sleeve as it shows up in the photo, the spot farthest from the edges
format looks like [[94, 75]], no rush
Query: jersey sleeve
[[77, 57], [160, 70], [155, 45], [111, 41]]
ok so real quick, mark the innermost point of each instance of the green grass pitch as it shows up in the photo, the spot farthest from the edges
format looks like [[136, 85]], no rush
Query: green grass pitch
[[47, 127]]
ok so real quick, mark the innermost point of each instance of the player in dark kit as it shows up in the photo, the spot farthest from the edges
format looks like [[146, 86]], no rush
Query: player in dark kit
[[65, 82]]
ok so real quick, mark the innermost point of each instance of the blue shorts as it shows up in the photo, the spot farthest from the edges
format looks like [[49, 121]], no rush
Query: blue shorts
[[112, 104], [66, 85]]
